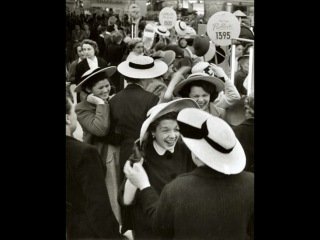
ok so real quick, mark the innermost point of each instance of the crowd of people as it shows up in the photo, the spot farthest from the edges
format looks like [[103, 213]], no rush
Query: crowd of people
[[160, 140]]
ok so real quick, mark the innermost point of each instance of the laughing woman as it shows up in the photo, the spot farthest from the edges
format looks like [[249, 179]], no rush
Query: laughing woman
[[164, 157], [94, 117]]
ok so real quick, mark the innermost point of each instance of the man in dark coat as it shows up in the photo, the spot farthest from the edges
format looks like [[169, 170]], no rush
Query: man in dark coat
[[245, 132], [129, 107], [215, 201], [89, 214]]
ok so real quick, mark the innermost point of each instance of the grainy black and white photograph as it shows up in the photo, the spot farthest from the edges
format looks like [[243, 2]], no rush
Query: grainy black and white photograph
[[159, 119]]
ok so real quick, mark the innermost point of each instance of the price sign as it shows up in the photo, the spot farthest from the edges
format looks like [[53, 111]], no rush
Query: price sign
[[222, 27], [167, 17]]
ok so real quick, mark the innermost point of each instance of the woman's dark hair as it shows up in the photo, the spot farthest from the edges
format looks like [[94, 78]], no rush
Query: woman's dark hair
[[93, 44], [94, 80], [207, 87], [167, 116]]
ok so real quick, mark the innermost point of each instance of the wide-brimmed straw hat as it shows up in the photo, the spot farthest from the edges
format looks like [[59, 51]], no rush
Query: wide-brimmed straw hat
[[211, 140], [162, 109], [91, 73], [180, 27], [166, 56], [218, 83], [162, 30], [142, 67]]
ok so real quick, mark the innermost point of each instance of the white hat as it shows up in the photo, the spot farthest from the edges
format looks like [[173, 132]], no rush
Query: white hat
[[142, 67], [212, 140], [239, 13], [217, 82], [88, 75], [162, 30], [162, 109], [180, 27]]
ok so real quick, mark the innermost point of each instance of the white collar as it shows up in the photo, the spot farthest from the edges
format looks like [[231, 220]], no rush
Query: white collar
[[160, 150]]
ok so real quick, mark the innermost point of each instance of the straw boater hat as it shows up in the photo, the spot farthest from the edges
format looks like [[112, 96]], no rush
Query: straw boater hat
[[162, 30], [162, 109], [212, 140], [218, 83], [181, 28], [95, 72], [142, 67]]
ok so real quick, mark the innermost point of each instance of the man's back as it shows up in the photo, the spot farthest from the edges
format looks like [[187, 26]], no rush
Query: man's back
[[89, 213], [205, 204]]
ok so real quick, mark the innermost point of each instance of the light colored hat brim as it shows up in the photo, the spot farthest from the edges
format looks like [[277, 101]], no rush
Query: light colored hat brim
[[180, 32], [157, 70], [227, 163], [166, 34], [239, 13], [210, 53], [108, 70], [218, 83], [162, 109], [236, 159]]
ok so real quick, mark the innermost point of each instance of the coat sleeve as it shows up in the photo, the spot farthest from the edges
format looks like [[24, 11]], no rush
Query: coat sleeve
[[230, 96], [95, 122], [97, 206]]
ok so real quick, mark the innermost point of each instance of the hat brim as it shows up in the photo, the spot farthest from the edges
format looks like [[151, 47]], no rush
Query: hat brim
[[218, 83], [210, 53], [180, 31], [230, 163], [108, 70], [166, 34], [164, 108], [157, 70]]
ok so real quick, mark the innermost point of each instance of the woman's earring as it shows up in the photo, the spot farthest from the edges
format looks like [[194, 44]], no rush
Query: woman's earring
[[153, 136]]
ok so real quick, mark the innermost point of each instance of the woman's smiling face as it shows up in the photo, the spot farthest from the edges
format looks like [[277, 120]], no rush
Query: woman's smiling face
[[167, 133]]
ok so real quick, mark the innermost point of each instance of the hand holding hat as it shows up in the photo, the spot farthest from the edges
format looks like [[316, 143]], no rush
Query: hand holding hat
[[136, 175], [218, 71]]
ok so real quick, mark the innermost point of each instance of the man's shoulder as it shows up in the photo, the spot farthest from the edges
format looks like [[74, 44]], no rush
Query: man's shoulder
[[78, 146]]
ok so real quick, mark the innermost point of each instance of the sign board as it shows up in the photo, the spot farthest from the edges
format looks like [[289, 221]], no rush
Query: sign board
[[134, 11], [222, 27], [167, 17]]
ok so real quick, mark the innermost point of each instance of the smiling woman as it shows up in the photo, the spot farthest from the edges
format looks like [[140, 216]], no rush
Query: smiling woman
[[165, 157]]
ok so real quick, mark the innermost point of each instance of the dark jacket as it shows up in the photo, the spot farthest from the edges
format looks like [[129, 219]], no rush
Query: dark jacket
[[203, 204], [89, 213], [83, 66], [245, 134], [128, 110], [161, 170]]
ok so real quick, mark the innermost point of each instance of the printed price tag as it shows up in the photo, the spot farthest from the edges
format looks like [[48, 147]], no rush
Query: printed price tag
[[222, 27], [167, 17]]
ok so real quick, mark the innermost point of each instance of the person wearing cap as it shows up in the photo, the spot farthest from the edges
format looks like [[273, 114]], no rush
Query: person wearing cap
[[229, 95], [129, 107], [94, 118], [88, 211], [165, 156], [201, 87], [215, 200]]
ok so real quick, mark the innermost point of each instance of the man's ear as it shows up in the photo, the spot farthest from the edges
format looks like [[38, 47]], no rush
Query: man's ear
[[68, 121]]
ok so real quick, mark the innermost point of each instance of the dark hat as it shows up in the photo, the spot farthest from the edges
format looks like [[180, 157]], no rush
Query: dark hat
[[94, 73], [178, 50]]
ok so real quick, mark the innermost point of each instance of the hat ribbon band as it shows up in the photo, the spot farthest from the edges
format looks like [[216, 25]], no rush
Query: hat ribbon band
[[159, 30], [139, 66], [192, 132], [182, 28]]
